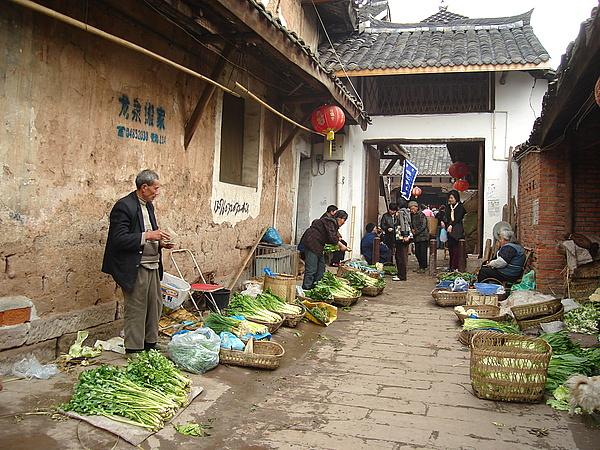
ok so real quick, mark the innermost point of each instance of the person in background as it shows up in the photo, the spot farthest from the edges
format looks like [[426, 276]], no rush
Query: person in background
[[366, 245], [453, 221], [402, 240], [133, 258], [420, 233], [322, 231], [440, 216], [509, 261], [388, 224], [427, 211], [331, 210]]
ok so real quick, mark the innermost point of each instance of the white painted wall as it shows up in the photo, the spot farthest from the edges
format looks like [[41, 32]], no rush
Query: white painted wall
[[518, 103]]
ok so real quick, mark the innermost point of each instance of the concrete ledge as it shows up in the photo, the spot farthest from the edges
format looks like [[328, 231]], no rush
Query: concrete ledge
[[43, 351], [59, 324], [16, 302], [104, 332], [13, 335]]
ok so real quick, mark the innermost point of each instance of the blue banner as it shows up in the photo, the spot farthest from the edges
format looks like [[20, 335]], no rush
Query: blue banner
[[409, 175]]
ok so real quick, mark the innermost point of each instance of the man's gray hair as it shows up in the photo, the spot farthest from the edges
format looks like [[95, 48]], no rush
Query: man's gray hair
[[146, 176], [507, 235]]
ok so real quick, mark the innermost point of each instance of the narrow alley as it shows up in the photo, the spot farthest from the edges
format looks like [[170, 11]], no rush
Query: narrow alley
[[390, 373]]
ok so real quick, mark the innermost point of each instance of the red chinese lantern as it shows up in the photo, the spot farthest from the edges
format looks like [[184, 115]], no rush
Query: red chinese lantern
[[458, 170], [417, 191], [461, 185], [328, 119]]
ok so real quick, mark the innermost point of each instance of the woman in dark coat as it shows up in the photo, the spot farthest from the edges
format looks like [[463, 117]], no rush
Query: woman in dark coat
[[453, 221]]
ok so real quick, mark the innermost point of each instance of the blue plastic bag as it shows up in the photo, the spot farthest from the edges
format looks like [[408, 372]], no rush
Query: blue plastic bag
[[230, 341], [459, 285], [271, 236], [443, 235]]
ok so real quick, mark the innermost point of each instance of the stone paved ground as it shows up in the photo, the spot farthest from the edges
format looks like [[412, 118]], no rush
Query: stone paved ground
[[388, 374]]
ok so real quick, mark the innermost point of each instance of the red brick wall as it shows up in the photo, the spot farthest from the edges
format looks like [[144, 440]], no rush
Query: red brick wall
[[542, 179], [586, 190]]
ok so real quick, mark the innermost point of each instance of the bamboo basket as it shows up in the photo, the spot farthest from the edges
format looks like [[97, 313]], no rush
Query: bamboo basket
[[533, 310], [283, 286], [530, 323], [292, 321], [345, 301], [266, 355], [372, 291], [342, 270], [465, 336], [475, 298], [483, 312], [449, 298], [509, 367]]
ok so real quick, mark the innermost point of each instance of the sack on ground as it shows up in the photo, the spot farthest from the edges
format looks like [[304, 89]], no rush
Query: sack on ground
[[527, 283], [196, 351]]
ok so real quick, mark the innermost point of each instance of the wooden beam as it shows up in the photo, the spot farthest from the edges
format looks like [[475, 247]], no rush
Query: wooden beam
[[207, 93], [286, 144], [389, 167]]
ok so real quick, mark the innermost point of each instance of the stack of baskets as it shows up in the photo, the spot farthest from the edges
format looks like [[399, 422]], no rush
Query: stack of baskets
[[448, 298], [534, 314], [509, 367]]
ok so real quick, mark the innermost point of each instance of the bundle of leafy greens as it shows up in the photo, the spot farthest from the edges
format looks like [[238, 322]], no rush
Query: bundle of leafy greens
[[560, 401], [320, 313], [583, 319], [330, 248], [561, 367], [146, 392], [360, 280], [330, 287], [488, 324]]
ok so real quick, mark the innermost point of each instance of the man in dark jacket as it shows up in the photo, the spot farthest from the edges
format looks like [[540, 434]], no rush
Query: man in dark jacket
[[133, 258], [322, 231], [420, 232]]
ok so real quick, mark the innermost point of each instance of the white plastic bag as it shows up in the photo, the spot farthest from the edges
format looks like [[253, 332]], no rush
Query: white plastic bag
[[30, 367], [196, 351]]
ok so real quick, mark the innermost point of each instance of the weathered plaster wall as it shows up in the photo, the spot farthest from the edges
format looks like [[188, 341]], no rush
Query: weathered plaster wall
[[64, 165]]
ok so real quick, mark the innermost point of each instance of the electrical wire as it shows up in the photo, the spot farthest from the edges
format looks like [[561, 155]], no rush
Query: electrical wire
[[335, 52]]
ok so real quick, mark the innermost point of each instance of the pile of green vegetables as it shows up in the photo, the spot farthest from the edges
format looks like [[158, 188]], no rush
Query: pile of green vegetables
[[331, 248], [320, 313], [583, 319], [330, 287], [247, 306], [568, 358], [147, 392], [360, 280], [219, 323], [272, 302], [451, 276], [488, 324]]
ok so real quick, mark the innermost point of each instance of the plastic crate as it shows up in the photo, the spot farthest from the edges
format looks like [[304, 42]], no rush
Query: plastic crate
[[174, 291]]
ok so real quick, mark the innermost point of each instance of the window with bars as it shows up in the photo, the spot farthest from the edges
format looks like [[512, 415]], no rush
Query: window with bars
[[428, 93]]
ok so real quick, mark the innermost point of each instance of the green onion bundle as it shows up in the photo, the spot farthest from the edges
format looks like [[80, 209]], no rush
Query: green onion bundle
[[488, 324], [271, 302], [219, 323], [245, 305], [330, 287]]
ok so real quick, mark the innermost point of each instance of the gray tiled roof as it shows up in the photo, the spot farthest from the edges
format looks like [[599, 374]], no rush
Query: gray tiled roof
[[460, 42], [370, 9], [431, 160], [443, 16]]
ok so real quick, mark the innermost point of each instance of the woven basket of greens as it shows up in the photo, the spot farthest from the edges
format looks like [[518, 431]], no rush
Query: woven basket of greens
[[531, 323], [509, 367], [449, 298]]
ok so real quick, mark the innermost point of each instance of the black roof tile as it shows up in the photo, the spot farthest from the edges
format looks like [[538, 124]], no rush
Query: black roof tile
[[441, 40]]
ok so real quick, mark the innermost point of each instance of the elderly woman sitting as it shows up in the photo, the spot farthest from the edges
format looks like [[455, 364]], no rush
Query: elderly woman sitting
[[508, 263]]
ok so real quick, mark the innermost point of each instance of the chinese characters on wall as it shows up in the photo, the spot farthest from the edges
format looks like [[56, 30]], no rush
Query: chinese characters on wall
[[141, 115]]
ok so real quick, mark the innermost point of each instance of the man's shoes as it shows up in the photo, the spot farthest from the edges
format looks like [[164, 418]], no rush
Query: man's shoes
[[395, 278], [149, 345], [130, 351]]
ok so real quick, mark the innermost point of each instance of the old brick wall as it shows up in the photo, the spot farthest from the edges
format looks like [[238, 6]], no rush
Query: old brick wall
[[586, 190], [64, 165], [542, 215]]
